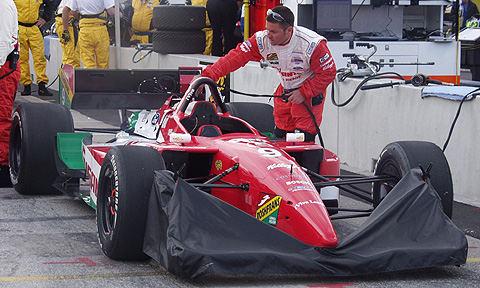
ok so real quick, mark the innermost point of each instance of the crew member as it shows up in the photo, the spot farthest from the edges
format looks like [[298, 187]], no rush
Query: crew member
[[9, 76], [93, 38], [142, 19], [208, 29], [69, 37], [31, 38], [304, 64]]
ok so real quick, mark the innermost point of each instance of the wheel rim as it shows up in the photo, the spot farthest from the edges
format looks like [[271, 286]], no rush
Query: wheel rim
[[384, 187], [110, 198]]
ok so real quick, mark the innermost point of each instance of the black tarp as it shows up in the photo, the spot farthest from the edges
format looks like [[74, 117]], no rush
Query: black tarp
[[192, 234]]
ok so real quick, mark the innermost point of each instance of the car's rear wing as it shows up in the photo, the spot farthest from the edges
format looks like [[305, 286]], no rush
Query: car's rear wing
[[121, 88]]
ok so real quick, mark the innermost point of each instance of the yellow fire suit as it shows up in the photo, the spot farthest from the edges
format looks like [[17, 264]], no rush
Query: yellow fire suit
[[208, 30], [142, 19], [30, 38], [94, 41], [71, 52]]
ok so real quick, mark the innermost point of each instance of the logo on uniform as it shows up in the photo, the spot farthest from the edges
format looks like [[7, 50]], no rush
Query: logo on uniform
[[272, 56], [310, 48], [325, 57]]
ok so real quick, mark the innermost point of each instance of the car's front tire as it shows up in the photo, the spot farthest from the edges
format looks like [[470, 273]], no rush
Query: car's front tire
[[125, 183], [398, 158]]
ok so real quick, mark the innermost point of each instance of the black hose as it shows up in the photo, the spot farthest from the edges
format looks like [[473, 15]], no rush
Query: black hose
[[456, 118], [359, 86]]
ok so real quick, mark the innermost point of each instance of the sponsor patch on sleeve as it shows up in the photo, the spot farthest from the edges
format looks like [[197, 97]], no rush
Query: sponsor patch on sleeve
[[325, 57], [260, 43], [311, 48], [245, 46]]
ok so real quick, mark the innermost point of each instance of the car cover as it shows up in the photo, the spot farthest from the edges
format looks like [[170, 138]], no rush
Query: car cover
[[192, 234]]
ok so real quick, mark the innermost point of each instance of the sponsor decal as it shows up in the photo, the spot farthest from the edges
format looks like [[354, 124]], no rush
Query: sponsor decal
[[272, 56], [274, 62], [290, 175], [218, 164], [264, 199], [259, 43], [245, 46], [298, 188], [328, 66], [311, 48], [297, 182], [325, 57], [155, 118], [300, 204], [297, 68], [281, 165], [268, 212], [296, 60]]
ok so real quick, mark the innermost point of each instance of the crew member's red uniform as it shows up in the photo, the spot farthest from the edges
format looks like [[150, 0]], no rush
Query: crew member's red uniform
[[9, 76], [304, 63]]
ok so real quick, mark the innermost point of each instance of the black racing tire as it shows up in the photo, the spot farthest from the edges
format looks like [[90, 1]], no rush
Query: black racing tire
[[178, 42], [125, 183], [398, 158], [32, 146], [259, 115], [179, 17]]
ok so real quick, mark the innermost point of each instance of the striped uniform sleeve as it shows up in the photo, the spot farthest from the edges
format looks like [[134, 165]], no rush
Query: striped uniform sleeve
[[236, 58], [324, 70]]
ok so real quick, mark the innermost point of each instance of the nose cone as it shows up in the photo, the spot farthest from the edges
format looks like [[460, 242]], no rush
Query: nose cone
[[306, 218]]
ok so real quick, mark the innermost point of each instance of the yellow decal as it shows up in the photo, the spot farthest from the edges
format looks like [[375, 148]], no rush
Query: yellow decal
[[268, 208], [218, 164]]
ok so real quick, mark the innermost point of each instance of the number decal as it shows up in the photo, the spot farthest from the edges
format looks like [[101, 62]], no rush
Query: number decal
[[269, 152]]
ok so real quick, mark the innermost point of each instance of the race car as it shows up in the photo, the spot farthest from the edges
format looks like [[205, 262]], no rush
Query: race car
[[288, 184]]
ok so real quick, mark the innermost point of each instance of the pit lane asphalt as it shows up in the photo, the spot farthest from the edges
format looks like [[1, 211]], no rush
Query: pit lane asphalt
[[50, 241]]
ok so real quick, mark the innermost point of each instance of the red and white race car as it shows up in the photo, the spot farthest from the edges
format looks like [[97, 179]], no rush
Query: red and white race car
[[288, 184]]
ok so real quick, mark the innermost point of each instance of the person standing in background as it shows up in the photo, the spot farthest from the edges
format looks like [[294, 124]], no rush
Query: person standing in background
[[208, 29], [65, 22], [223, 17], [9, 76], [30, 37], [142, 19], [94, 41]]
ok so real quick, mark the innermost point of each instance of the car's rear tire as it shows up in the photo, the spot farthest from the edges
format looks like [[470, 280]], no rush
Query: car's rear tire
[[32, 146], [125, 183], [178, 42], [181, 17], [398, 158]]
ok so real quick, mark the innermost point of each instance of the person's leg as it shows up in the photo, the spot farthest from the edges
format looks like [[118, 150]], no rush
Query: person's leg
[[214, 14], [229, 21], [102, 48]]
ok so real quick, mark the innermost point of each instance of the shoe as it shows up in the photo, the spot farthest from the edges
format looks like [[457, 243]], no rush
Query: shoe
[[42, 90], [27, 90], [5, 177]]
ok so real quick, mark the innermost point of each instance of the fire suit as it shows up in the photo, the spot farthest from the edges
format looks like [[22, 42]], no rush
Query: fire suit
[[8, 83], [94, 41], [142, 19], [71, 52], [31, 38], [304, 63]]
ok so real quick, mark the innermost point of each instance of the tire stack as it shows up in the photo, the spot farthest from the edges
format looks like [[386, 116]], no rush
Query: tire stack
[[179, 29]]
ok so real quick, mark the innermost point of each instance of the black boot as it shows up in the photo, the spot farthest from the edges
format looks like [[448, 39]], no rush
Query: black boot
[[27, 90], [42, 90], [5, 177]]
